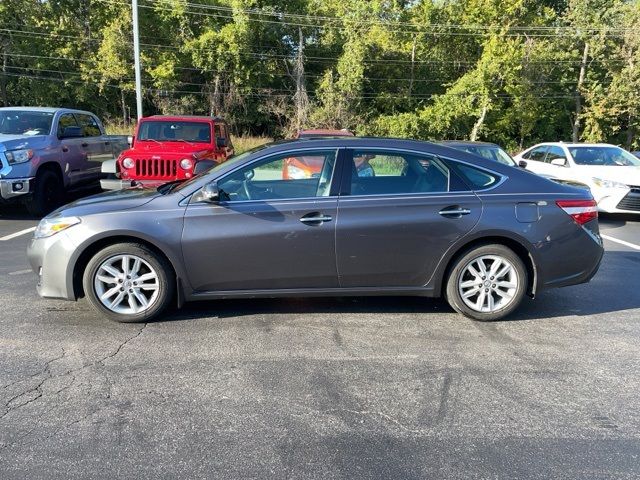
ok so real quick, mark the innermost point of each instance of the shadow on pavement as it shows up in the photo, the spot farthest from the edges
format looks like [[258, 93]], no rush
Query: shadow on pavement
[[608, 292]]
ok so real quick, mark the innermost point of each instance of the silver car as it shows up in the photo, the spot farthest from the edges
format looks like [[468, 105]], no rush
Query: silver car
[[427, 220]]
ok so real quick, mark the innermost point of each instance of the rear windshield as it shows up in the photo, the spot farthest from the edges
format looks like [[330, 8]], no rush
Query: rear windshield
[[163, 131], [489, 152], [603, 156], [20, 122]]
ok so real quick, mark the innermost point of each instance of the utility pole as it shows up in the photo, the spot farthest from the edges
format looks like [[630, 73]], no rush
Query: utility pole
[[300, 98], [136, 56]]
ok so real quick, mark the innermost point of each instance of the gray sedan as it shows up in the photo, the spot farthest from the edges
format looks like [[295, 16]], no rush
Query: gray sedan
[[424, 220]]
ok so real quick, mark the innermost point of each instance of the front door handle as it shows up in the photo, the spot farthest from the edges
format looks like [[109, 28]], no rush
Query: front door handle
[[315, 218], [454, 212], [84, 144]]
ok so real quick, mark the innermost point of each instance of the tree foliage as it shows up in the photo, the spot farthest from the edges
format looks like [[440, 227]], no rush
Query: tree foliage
[[511, 71]]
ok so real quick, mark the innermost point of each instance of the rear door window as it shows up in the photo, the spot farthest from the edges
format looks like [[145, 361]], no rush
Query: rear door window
[[89, 125], [376, 172], [476, 178]]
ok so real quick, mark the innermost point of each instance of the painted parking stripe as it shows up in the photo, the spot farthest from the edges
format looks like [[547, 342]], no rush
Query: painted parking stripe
[[17, 234], [621, 242], [20, 272]]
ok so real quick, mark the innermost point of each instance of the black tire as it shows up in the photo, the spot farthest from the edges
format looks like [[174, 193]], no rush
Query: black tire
[[459, 273], [48, 194], [166, 284]]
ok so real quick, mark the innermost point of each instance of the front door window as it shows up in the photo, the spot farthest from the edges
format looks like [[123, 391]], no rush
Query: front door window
[[286, 176]]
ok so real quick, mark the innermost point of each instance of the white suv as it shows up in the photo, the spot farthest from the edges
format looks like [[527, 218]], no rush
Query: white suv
[[612, 174]]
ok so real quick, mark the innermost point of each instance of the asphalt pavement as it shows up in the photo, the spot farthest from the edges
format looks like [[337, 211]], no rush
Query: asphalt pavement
[[384, 388]]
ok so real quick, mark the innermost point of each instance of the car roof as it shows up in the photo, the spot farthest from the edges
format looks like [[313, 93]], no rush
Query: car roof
[[381, 143], [176, 118], [45, 109], [469, 143], [324, 132], [572, 144]]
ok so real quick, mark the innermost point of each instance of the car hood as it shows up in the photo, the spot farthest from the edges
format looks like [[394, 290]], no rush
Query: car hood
[[108, 202], [628, 175], [15, 142]]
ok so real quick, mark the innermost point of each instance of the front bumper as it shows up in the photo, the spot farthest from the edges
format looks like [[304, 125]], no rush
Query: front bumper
[[119, 184], [618, 200], [50, 259], [116, 184], [15, 187]]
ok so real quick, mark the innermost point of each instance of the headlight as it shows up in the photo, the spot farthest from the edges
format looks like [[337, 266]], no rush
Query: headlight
[[600, 182], [19, 156], [297, 173], [51, 226], [128, 163], [186, 164]]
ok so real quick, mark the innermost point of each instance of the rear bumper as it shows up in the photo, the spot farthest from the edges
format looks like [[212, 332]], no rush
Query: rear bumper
[[571, 261]]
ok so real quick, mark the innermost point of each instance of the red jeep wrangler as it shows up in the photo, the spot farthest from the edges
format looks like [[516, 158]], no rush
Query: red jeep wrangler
[[168, 148]]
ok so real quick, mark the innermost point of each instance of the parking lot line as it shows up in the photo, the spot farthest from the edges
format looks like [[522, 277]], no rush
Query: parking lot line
[[621, 242], [17, 234]]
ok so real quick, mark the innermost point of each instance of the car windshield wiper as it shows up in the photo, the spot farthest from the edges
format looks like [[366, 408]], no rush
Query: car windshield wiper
[[167, 187], [183, 140], [150, 140]]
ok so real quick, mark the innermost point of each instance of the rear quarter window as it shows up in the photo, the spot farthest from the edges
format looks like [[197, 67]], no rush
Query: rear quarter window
[[476, 178]]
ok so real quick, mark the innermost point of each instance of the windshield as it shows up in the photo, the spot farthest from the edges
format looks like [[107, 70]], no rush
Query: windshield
[[603, 156], [229, 163], [164, 131], [490, 152], [20, 122]]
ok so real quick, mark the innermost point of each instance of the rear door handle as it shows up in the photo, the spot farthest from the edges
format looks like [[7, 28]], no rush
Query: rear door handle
[[84, 144], [454, 212], [313, 218]]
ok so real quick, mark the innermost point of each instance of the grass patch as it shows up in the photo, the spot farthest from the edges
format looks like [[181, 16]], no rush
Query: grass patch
[[246, 142]]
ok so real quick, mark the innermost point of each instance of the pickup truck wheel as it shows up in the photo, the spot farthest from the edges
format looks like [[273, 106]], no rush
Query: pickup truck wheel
[[48, 194], [487, 283], [128, 282]]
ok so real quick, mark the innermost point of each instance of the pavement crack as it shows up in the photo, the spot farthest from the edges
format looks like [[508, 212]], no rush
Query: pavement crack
[[37, 389], [122, 345]]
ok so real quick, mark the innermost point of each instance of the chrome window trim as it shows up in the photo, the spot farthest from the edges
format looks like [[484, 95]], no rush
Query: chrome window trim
[[502, 177]]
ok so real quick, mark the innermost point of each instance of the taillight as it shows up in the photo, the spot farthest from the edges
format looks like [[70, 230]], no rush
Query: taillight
[[582, 211]]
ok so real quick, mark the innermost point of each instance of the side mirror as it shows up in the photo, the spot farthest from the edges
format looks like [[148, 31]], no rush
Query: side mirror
[[202, 166], [522, 164], [72, 132], [210, 193], [130, 140], [221, 142], [560, 162]]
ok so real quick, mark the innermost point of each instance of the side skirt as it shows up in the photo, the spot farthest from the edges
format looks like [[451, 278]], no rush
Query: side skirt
[[314, 292]]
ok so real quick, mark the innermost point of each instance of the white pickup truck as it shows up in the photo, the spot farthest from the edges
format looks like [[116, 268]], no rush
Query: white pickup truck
[[45, 152]]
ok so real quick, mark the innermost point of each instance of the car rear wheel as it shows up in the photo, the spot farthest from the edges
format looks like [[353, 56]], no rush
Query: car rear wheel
[[128, 282], [487, 283]]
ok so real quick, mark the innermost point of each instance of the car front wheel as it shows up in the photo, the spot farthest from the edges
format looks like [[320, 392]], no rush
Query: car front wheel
[[487, 283], [128, 282]]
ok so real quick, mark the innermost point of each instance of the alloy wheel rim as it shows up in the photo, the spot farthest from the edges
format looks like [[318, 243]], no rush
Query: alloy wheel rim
[[126, 284], [488, 283]]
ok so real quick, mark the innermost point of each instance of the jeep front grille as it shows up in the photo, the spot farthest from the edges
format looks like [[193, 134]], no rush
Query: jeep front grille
[[156, 168]]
